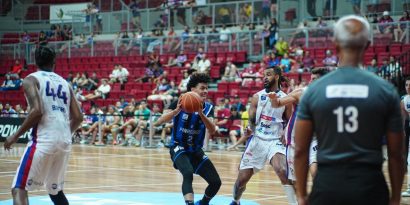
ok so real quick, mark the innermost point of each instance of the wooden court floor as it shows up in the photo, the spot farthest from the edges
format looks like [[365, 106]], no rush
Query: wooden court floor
[[126, 169]]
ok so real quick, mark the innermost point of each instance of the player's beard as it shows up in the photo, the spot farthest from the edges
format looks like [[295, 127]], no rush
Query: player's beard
[[268, 85]]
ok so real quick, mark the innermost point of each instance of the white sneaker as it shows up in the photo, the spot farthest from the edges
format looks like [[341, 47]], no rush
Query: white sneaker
[[406, 193]]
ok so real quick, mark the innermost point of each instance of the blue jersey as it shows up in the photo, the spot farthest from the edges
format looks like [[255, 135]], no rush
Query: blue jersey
[[189, 130]]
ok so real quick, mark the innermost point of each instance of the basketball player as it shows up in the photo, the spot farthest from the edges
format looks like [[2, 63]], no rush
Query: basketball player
[[293, 98], [187, 140], [350, 111], [265, 144], [405, 107], [54, 116]]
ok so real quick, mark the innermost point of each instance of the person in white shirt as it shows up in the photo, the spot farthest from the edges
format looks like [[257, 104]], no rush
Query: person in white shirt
[[204, 65], [225, 32], [119, 74], [101, 91]]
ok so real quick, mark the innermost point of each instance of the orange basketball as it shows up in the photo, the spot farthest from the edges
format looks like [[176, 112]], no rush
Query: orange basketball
[[191, 102]]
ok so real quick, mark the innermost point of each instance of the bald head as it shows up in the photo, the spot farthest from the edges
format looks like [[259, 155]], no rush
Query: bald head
[[352, 32]]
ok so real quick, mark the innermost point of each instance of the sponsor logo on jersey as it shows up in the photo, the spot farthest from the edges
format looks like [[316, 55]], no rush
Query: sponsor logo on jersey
[[265, 117], [265, 125], [189, 131], [263, 97]]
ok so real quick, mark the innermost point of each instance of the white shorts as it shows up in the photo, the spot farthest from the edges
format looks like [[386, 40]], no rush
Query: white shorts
[[290, 158], [259, 151], [39, 169]]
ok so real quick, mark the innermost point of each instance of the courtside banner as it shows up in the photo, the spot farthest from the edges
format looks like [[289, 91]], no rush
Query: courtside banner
[[9, 125]]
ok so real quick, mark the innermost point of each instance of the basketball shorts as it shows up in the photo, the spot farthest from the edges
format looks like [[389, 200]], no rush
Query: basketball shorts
[[180, 156], [39, 169], [290, 158], [259, 151]]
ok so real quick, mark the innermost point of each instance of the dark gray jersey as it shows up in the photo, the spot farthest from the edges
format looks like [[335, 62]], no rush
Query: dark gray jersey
[[351, 110]]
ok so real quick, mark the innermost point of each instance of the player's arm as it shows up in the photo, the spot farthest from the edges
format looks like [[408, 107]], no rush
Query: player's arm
[[404, 114], [395, 149], [252, 112], [166, 117], [76, 117], [35, 114], [210, 126], [303, 138], [291, 98]]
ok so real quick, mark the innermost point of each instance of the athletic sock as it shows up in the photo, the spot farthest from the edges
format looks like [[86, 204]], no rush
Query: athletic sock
[[205, 200], [290, 194], [189, 202]]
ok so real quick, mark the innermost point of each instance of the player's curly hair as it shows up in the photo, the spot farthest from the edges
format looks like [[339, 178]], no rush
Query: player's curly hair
[[282, 79], [197, 78], [45, 57]]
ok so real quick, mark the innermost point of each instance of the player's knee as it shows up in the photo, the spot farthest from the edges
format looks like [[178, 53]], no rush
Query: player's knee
[[216, 182], [187, 173]]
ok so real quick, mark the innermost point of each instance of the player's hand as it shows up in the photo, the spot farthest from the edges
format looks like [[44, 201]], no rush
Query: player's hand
[[231, 148], [302, 201], [273, 98], [247, 131], [9, 141]]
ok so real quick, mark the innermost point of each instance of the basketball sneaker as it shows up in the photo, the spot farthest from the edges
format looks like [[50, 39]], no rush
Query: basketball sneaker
[[200, 203], [234, 203], [406, 193]]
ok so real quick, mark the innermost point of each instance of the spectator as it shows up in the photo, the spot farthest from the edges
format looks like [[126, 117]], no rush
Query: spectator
[[273, 60], [158, 40], [89, 125], [213, 37], [181, 58], [266, 14], [245, 13], [200, 18], [300, 32], [239, 106], [394, 69], [281, 47], [161, 92], [327, 8], [231, 73], [20, 111], [137, 39], [77, 80], [234, 125], [224, 34], [297, 52], [92, 82], [136, 16], [184, 82], [356, 7], [153, 58], [273, 31], [199, 54], [242, 35], [185, 38], [119, 74], [15, 70], [81, 41], [112, 123], [142, 115], [171, 39], [373, 66], [224, 14], [83, 83], [286, 63], [172, 61], [204, 64], [8, 111], [250, 74], [9, 84], [384, 69], [308, 61], [125, 39], [144, 125], [90, 39], [42, 39], [25, 37], [222, 117], [265, 35], [70, 78], [401, 31], [102, 91], [330, 60], [385, 25]]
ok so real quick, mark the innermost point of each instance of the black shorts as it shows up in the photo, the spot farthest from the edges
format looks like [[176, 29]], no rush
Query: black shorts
[[353, 184], [196, 158]]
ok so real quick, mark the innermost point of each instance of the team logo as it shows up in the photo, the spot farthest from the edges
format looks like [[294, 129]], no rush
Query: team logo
[[185, 116], [263, 97], [30, 182], [54, 186]]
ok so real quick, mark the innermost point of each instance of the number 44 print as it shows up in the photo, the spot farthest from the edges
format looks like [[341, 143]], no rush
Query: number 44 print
[[60, 94]]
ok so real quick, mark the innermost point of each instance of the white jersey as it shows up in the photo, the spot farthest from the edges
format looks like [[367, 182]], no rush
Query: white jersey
[[268, 119], [406, 103], [53, 130], [290, 127]]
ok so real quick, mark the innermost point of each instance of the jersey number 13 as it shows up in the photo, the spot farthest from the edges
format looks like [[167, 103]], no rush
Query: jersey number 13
[[351, 113]]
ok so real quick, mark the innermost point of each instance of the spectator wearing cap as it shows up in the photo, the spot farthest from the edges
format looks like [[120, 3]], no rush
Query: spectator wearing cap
[[384, 23]]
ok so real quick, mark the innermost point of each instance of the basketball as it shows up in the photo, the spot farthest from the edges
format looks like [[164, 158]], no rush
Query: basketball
[[191, 102]]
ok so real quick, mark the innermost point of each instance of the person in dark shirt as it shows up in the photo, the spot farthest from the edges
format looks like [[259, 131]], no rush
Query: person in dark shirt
[[350, 110], [187, 140]]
